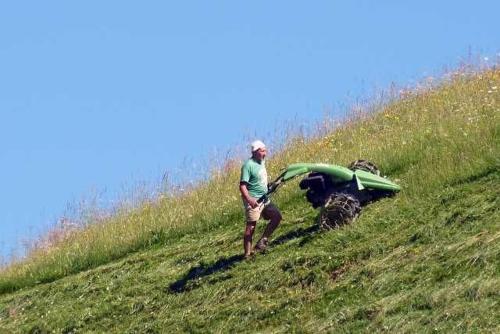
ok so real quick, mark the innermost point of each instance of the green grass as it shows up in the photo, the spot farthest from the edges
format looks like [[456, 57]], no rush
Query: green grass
[[423, 261]]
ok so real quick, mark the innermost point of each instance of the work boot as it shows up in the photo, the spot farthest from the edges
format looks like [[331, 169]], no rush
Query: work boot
[[261, 245]]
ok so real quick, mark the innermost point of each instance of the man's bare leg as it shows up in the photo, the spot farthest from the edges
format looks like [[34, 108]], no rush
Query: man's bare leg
[[275, 219], [247, 238]]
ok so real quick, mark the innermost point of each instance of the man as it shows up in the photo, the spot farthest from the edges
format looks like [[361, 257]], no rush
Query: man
[[253, 184]]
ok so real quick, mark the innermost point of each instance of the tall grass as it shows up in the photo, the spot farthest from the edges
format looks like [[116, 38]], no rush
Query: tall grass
[[426, 138]]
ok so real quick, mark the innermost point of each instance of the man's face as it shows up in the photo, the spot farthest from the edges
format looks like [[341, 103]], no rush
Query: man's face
[[260, 154]]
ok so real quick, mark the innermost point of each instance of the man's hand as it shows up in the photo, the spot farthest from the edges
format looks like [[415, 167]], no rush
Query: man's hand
[[253, 202]]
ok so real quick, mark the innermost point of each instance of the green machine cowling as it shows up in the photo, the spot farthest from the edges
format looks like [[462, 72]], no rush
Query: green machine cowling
[[341, 174]]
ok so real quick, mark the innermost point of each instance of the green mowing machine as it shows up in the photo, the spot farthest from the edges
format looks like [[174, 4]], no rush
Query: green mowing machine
[[340, 192]]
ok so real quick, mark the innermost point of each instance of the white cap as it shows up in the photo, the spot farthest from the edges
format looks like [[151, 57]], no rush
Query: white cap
[[257, 145]]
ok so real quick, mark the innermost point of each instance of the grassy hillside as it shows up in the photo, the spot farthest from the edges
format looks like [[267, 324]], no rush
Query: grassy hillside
[[426, 260]]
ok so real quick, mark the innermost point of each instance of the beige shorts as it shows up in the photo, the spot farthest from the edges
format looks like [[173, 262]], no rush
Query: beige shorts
[[264, 210]]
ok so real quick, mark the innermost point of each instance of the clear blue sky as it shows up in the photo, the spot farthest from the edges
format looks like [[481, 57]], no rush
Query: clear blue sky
[[97, 95]]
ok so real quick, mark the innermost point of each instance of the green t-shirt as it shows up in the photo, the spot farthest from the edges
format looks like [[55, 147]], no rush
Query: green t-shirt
[[254, 174]]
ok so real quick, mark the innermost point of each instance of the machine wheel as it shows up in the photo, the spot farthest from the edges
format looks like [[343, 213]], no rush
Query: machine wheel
[[365, 165], [339, 209]]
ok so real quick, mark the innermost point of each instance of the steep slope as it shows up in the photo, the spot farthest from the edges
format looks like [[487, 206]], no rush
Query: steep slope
[[426, 260]]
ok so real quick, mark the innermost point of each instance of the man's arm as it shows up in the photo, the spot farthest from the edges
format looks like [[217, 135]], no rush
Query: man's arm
[[244, 192]]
